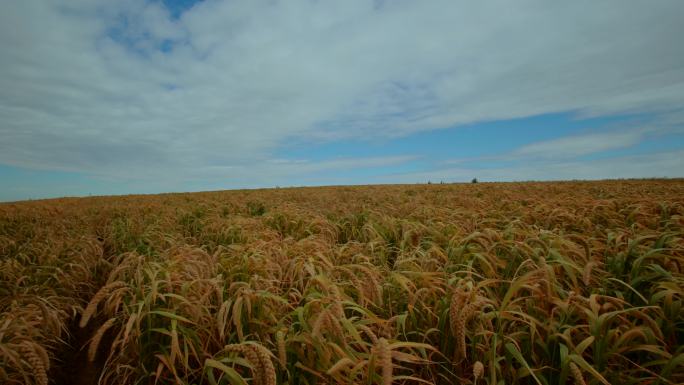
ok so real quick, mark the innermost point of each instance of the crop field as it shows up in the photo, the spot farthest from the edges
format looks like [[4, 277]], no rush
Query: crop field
[[488, 283]]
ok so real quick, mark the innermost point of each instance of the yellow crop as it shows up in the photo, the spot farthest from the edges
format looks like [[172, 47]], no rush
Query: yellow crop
[[487, 283]]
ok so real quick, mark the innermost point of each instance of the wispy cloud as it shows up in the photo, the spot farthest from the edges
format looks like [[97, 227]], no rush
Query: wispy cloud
[[596, 140], [567, 157], [345, 163], [574, 146], [665, 164]]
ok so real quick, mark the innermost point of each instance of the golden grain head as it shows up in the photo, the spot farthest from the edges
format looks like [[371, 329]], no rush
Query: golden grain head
[[478, 370]]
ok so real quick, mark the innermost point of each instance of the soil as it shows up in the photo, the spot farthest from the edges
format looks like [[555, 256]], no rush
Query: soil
[[72, 366]]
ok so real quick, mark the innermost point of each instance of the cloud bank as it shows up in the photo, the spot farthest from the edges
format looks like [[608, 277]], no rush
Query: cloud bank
[[130, 89]]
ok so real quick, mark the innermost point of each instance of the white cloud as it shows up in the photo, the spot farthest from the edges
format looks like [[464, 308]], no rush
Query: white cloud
[[85, 86]]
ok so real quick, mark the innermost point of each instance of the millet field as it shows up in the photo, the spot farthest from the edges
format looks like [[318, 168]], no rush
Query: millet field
[[487, 283]]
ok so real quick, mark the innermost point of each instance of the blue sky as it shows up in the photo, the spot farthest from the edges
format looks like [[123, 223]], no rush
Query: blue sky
[[136, 96]]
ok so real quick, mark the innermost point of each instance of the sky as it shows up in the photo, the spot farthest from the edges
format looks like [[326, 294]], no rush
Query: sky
[[103, 97]]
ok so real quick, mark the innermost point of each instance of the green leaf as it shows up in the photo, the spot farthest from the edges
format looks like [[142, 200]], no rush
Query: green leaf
[[564, 364], [585, 365], [518, 356], [233, 376], [170, 315]]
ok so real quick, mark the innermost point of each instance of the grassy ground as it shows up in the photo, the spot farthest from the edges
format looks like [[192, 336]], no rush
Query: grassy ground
[[515, 283]]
